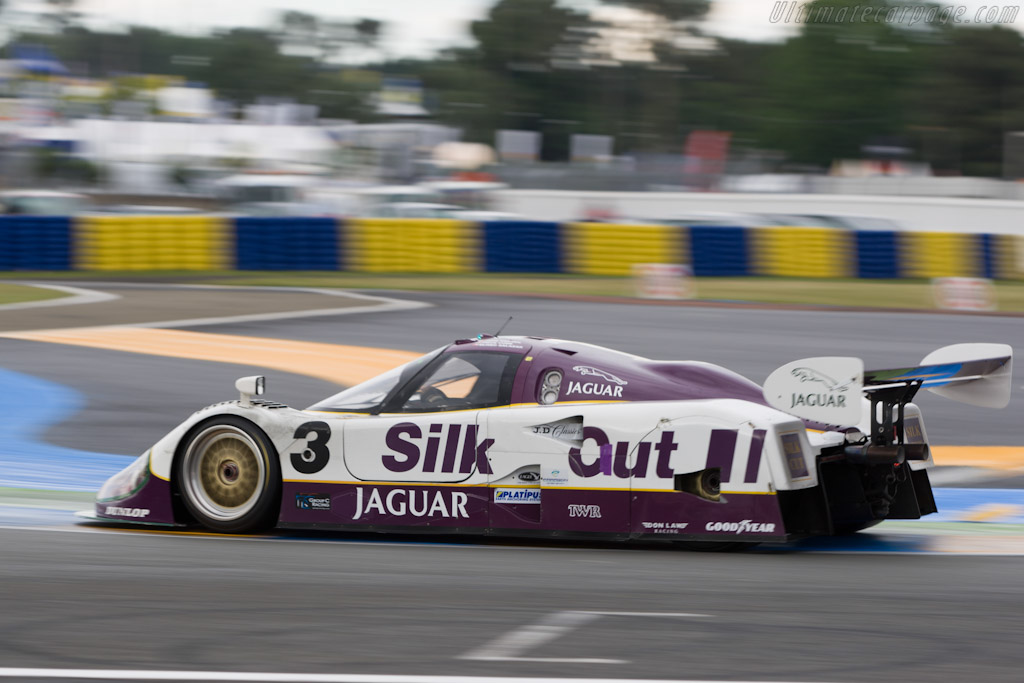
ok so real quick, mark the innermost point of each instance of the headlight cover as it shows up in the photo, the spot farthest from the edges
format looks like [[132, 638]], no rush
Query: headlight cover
[[550, 387], [127, 482]]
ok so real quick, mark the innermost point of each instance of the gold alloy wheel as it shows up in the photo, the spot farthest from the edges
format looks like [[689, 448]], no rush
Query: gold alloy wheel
[[225, 472]]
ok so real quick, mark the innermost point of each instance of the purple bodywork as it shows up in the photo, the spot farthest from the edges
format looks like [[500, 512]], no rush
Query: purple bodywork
[[644, 380]]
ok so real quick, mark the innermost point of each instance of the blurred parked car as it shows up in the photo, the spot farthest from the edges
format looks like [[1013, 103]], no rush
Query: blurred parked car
[[430, 210], [270, 194], [145, 210], [832, 221], [42, 203]]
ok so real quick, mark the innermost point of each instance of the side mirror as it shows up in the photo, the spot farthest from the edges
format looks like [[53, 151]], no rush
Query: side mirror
[[249, 387]]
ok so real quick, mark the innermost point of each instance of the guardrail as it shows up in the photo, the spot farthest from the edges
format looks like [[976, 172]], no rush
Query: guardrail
[[144, 243]]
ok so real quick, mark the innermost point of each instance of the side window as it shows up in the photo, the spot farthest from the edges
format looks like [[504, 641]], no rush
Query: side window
[[464, 381]]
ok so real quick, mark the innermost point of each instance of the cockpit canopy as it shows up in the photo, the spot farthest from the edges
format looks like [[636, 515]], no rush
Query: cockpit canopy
[[463, 379], [487, 371]]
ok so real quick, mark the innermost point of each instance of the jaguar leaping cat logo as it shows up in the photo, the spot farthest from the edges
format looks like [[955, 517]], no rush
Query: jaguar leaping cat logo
[[607, 376], [812, 375]]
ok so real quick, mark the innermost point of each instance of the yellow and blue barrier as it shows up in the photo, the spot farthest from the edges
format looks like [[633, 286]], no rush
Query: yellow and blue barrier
[[522, 247], [613, 249], [940, 254], [35, 243], [152, 243], [125, 243], [877, 254], [395, 245], [1004, 257], [719, 251], [287, 243], [802, 252]]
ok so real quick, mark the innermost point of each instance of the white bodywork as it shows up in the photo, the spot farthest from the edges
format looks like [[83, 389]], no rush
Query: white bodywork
[[358, 444]]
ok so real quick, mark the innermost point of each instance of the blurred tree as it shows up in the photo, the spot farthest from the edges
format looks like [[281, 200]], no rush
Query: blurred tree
[[972, 94], [949, 92], [522, 35], [673, 10], [838, 85], [299, 28], [368, 31], [63, 14], [327, 40]]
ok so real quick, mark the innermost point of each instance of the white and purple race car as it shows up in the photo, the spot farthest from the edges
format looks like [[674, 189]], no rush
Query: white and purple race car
[[525, 436]]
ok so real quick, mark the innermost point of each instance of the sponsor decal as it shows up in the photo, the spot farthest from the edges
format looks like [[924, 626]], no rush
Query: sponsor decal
[[663, 527], [501, 343], [611, 386], [912, 430], [619, 465], [527, 496], [528, 477], [825, 389], [554, 478], [651, 458], [817, 400], [591, 511], [805, 374], [833, 397], [794, 455], [116, 511], [569, 430], [405, 439], [587, 370], [312, 501], [744, 527], [415, 502], [594, 389]]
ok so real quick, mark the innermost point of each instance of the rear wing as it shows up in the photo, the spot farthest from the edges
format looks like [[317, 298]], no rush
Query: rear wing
[[977, 374], [829, 389]]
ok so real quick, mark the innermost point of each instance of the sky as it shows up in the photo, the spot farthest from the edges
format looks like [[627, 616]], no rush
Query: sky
[[413, 27]]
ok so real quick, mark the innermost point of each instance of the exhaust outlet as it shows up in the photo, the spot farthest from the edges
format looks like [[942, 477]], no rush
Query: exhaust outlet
[[876, 455], [917, 451]]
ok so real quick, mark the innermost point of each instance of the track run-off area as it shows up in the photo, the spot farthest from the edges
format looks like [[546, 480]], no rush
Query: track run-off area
[[88, 387]]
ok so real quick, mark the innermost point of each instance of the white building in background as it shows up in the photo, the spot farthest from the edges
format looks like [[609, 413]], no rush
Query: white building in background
[[139, 155], [184, 102]]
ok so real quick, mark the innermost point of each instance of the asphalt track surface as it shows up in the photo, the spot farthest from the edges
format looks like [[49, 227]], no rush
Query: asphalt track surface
[[118, 600], [78, 598]]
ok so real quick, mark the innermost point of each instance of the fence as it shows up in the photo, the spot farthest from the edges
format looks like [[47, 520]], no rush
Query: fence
[[143, 243]]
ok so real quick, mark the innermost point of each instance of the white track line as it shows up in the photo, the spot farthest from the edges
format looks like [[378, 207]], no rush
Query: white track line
[[509, 647], [386, 305], [383, 304], [77, 296], [157, 675]]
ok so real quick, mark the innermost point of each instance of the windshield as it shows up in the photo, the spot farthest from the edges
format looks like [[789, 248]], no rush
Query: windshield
[[365, 397], [462, 381]]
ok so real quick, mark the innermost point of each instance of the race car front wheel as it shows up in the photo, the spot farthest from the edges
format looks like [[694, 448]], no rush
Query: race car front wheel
[[229, 476]]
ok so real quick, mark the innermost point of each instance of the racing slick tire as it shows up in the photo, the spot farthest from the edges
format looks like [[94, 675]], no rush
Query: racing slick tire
[[229, 476]]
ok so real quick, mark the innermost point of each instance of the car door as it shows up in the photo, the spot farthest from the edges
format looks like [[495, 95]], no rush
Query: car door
[[423, 459], [428, 448], [549, 470]]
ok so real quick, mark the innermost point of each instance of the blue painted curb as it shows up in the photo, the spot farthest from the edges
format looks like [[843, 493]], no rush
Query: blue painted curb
[[29, 406]]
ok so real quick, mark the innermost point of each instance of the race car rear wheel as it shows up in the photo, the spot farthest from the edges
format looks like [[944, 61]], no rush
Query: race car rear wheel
[[229, 476]]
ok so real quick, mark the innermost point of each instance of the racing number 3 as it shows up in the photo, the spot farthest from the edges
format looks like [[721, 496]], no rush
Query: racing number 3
[[315, 455]]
